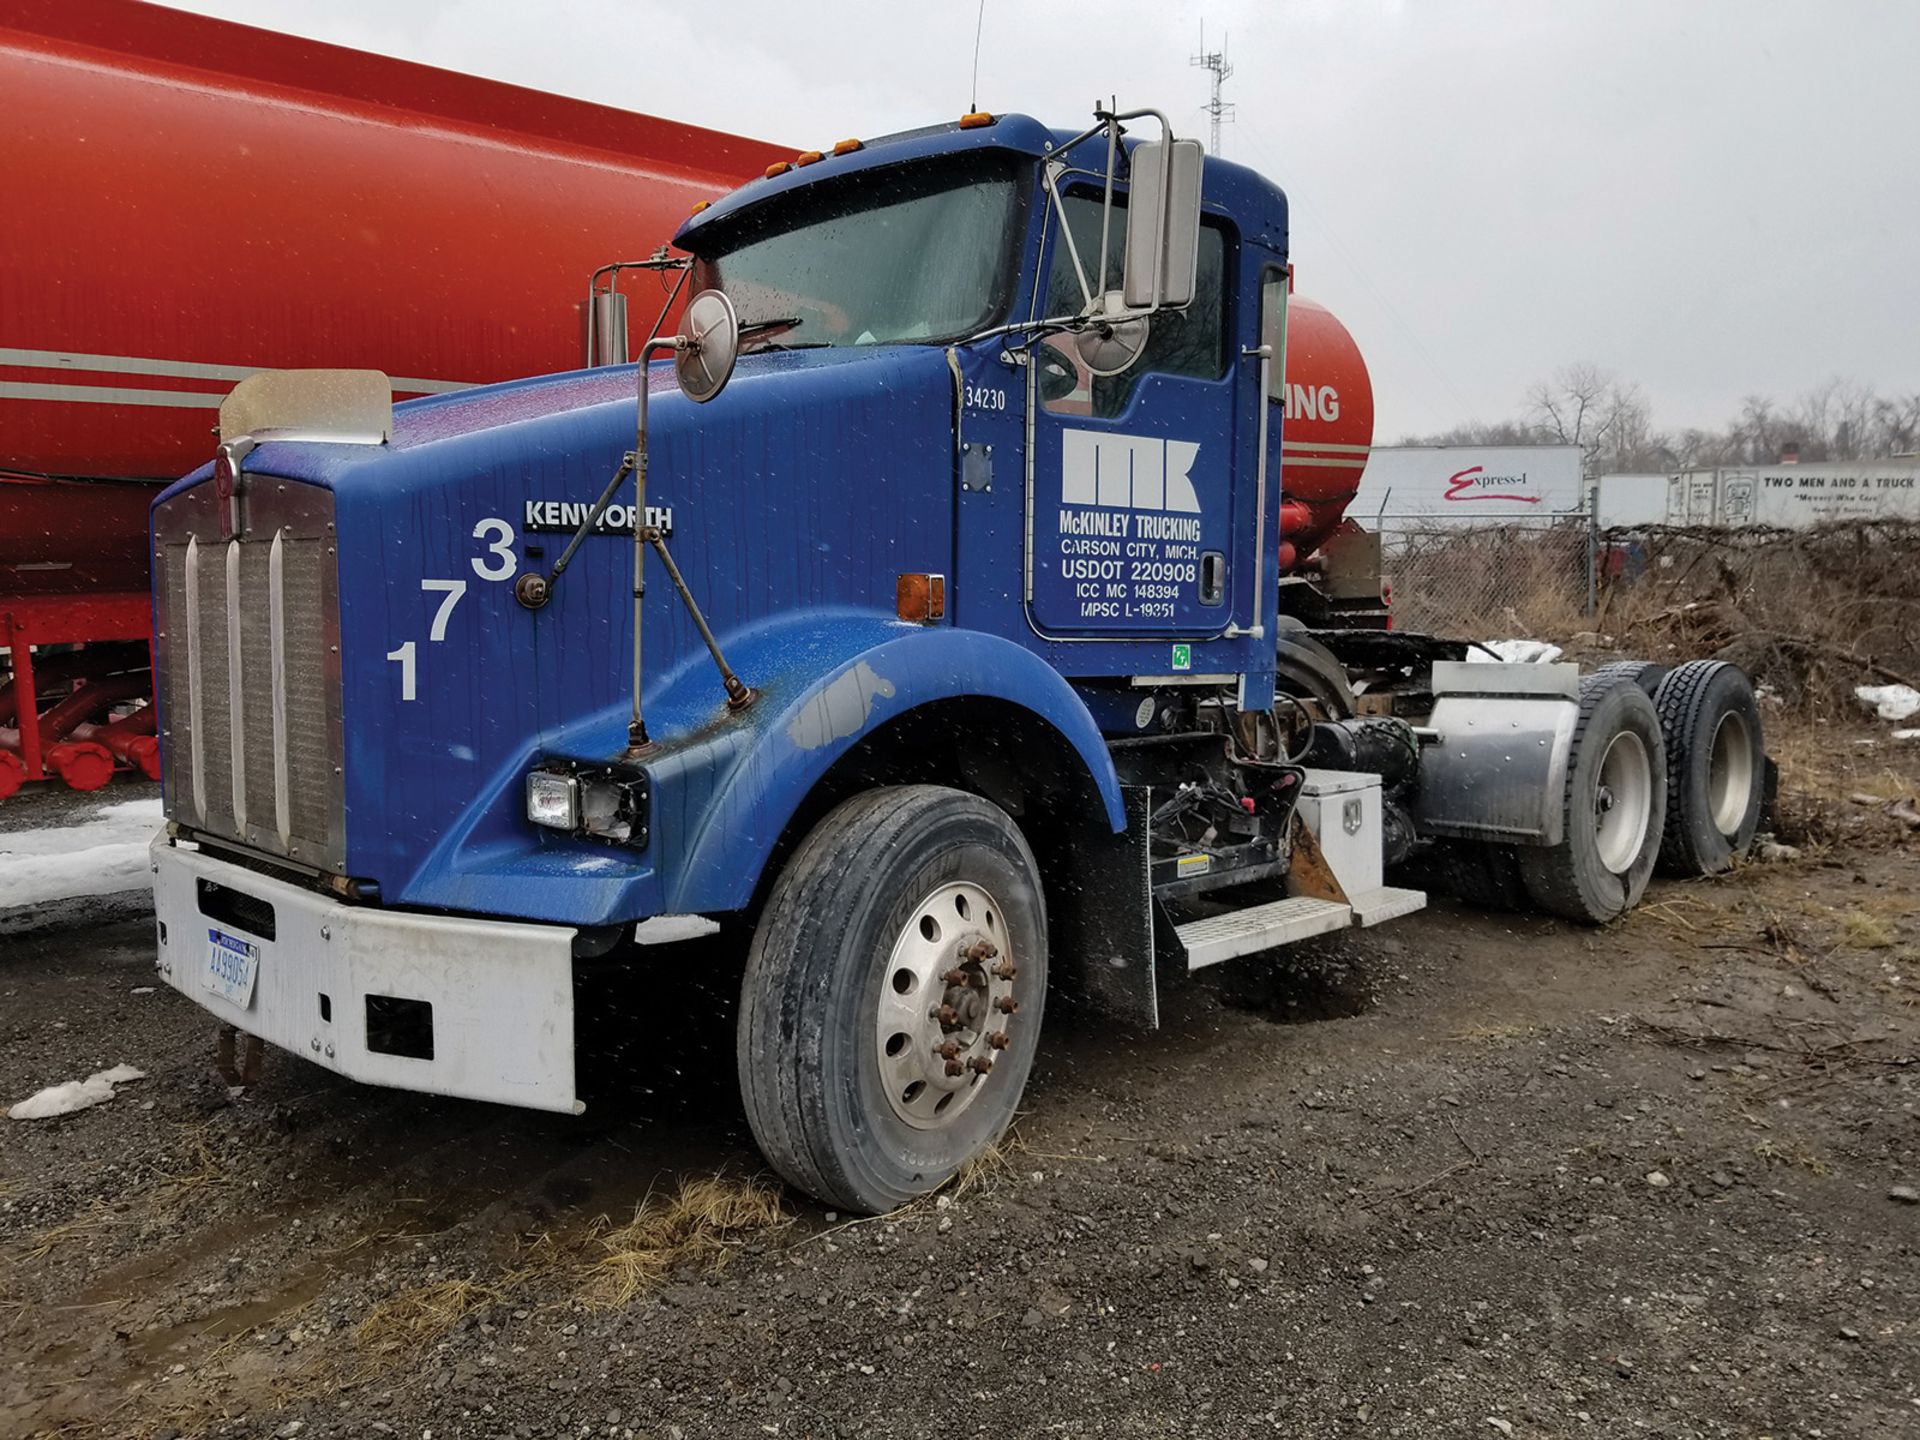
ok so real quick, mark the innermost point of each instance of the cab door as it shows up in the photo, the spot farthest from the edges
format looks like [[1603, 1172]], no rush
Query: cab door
[[1134, 474]]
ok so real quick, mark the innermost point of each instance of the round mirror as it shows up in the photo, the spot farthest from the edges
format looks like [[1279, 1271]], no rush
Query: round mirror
[[1107, 347], [709, 343]]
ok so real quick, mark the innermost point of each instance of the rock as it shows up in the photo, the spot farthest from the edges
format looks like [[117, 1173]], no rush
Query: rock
[[289, 1430], [1904, 1195], [1257, 1265], [1505, 1427], [1772, 852], [1033, 1319], [1847, 1332], [1657, 1180]]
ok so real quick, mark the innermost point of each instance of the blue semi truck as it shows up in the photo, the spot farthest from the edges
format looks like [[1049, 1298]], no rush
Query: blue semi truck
[[921, 617]]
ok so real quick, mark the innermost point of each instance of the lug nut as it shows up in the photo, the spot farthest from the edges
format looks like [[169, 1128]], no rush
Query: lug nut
[[947, 1051], [980, 1064], [998, 1040], [955, 976], [954, 1067], [980, 950], [1006, 1005], [1005, 970], [948, 1017]]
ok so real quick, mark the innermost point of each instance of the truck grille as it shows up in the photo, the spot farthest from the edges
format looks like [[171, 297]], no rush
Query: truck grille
[[247, 644]]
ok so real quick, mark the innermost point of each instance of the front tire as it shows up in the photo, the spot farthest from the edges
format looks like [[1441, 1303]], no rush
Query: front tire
[[892, 1002]]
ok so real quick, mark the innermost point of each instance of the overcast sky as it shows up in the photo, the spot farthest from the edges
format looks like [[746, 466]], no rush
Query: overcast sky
[[1712, 197]]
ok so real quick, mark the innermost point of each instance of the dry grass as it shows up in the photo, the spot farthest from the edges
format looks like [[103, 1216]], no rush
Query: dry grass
[[416, 1318], [702, 1223], [1862, 931]]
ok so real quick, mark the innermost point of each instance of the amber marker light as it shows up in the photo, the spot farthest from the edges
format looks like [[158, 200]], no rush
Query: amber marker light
[[807, 157], [975, 120], [921, 598], [847, 147]]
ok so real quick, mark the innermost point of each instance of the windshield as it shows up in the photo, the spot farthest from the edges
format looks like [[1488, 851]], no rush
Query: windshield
[[924, 252]]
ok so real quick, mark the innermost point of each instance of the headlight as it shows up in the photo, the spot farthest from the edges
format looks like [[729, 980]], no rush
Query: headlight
[[553, 800], [608, 804]]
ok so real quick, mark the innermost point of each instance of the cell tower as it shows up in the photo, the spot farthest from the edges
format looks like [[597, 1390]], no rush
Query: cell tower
[[1221, 68]]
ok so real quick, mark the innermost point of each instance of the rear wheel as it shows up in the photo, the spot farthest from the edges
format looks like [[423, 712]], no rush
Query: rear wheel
[[1716, 766], [892, 1001], [1613, 808]]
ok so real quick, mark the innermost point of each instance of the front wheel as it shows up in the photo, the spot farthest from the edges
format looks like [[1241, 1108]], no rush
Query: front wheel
[[893, 995]]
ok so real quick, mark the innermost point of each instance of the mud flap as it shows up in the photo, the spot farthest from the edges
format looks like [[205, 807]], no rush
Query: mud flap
[[1104, 926]]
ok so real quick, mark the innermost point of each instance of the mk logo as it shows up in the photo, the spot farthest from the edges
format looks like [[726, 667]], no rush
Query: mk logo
[[1134, 472]]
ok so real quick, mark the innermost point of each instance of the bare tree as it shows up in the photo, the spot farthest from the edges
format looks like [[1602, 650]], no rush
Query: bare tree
[[1584, 405]]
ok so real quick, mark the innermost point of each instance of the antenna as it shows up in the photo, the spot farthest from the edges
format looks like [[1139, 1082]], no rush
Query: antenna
[[1222, 69], [979, 22]]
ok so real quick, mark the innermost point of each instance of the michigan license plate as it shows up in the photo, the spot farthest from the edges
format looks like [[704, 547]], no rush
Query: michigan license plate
[[233, 964]]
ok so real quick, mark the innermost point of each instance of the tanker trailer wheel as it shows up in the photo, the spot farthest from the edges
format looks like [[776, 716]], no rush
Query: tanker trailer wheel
[[1613, 806], [893, 994], [1716, 766]]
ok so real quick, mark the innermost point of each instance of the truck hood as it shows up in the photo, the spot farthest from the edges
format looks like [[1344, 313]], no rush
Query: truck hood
[[810, 484]]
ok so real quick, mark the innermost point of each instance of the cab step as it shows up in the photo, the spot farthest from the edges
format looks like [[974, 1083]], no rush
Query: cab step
[[1260, 927]]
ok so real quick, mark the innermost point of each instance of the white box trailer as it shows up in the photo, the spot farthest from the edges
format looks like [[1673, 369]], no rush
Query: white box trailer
[[1471, 484], [1791, 497]]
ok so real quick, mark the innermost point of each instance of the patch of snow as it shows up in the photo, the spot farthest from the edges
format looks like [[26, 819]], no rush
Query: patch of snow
[[665, 929], [1890, 702], [74, 1095], [1906, 734], [102, 855], [1523, 652]]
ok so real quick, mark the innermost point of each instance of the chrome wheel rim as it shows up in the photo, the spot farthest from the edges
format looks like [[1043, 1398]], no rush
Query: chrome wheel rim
[[1730, 774], [1623, 802], [946, 1006]]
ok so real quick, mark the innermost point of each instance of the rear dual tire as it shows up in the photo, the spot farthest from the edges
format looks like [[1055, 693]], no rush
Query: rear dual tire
[[1716, 767], [1612, 808]]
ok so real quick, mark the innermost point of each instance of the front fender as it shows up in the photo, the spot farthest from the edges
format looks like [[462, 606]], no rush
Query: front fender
[[859, 677], [724, 787]]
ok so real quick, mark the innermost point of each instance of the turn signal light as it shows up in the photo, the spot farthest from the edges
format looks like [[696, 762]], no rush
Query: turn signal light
[[973, 120], [779, 167], [921, 598], [847, 147], [807, 157]]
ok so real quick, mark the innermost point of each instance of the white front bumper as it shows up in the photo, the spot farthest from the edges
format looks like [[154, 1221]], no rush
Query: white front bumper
[[501, 992]]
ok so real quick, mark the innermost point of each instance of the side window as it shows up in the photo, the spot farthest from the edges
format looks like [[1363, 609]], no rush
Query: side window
[[1191, 342]]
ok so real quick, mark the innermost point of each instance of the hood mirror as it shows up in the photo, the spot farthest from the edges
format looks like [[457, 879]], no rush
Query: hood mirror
[[707, 346]]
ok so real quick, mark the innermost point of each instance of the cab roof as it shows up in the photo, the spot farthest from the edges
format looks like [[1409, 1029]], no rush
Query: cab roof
[[1258, 205]]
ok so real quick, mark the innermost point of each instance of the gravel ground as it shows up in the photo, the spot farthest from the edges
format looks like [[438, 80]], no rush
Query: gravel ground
[[1474, 1175]]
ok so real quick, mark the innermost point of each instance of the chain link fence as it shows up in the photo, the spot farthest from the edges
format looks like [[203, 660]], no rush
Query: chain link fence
[[1485, 582]]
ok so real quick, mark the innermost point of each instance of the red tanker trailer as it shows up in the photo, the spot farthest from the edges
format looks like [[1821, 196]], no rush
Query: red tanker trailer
[[189, 201], [192, 201]]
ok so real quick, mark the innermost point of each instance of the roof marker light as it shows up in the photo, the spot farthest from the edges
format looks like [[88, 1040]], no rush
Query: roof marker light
[[847, 147], [700, 206], [975, 119], [779, 167], [807, 157]]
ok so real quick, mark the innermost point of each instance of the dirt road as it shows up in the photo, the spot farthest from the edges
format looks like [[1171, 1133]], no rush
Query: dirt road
[[1479, 1176]]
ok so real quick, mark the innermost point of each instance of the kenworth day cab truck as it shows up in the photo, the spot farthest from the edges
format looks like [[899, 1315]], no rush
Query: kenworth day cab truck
[[965, 641]]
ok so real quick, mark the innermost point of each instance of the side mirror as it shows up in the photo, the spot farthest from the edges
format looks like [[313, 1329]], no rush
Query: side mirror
[[1163, 225], [706, 347]]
